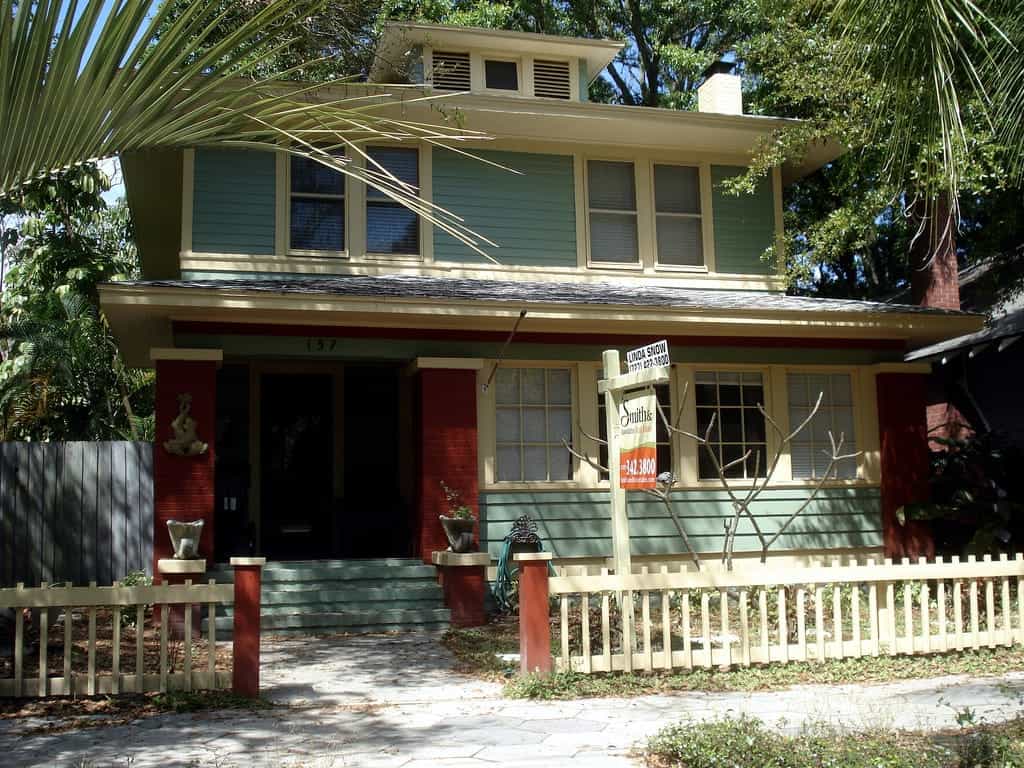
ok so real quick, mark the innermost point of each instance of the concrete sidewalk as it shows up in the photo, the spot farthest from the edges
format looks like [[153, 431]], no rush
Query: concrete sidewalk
[[393, 701]]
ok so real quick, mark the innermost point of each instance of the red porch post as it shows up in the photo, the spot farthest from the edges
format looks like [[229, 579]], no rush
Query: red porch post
[[447, 432], [245, 663], [534, 621], [183, 485], [902, 427]]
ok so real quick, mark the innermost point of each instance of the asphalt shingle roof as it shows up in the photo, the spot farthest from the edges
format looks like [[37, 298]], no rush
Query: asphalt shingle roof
[[536, 292]]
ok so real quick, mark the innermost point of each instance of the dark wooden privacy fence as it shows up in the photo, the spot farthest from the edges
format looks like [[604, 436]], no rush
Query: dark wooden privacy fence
[[75, 512]]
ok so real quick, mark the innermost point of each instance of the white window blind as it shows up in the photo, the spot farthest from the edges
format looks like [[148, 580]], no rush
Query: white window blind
[[533, 415], [612, 202], [810, 451], [391, 228], [316, 207], [678, 215]]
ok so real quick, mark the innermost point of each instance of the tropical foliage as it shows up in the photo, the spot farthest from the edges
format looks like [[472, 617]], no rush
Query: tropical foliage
[[86, 80], [61, 377]]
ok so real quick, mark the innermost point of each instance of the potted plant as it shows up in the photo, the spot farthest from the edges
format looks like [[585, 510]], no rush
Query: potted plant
[[458, 523]]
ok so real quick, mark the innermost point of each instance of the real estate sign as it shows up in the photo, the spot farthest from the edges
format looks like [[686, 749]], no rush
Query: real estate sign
[[651, 356], [638, 449]]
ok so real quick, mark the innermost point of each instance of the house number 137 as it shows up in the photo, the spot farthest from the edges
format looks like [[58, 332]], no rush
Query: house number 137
[[321, 345]]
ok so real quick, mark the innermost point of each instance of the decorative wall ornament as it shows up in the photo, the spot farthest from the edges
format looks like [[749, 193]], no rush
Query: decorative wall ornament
[[185, 441]]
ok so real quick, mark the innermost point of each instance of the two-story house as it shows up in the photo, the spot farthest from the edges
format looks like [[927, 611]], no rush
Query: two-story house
[[345, 357]]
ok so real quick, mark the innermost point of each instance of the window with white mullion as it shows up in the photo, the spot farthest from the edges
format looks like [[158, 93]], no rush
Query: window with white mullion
[[316, 213], [612, 212], [678, 216], [731, 399], [533, 414], [810, 450]]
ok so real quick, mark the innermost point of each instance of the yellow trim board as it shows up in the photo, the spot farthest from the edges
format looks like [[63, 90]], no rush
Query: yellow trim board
[[187, 355]]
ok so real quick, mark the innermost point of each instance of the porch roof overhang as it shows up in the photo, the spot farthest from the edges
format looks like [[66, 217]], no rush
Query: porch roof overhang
[[142, 313]]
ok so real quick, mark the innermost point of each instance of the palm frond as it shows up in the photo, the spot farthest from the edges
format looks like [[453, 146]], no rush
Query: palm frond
[[86, 80], [934, 57]]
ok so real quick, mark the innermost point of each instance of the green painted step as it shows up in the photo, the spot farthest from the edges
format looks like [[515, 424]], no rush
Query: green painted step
[[338, 571], [346, 621], [271, 609]]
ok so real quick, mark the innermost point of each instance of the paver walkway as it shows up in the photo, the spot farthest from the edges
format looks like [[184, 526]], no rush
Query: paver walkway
[[392, 701]]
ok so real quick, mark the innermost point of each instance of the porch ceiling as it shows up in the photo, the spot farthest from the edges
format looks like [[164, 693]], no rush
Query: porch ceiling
[[141, 312]]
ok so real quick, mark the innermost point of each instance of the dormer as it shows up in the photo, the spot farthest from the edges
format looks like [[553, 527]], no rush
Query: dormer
[[490, 61]]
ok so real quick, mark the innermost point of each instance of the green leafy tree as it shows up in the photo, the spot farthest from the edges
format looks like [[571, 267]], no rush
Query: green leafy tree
[[62, 377]]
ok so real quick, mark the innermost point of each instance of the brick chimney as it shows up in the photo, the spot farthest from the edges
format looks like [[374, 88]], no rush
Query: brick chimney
[[934, 274], [721, 91]]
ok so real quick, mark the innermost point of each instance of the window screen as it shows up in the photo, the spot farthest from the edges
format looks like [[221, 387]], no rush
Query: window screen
[[810, 451], [731, 397], [678, 216], [533, 415], [612, 201], [317, 207], [392, 228], [501, 75]]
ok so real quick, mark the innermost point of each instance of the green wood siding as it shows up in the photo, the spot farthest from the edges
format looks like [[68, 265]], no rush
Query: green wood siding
[[532, 217], [744, 225], [577, 524], [233, 208]]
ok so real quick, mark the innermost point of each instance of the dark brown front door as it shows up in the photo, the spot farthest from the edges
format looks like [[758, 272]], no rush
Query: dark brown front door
[[296, 465]]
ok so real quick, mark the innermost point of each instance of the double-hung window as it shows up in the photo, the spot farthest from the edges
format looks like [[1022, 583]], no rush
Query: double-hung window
[[391, 228], [811, 451], [664, 439], [731, 399], [533, 415], [677, 215], [611, 196], [316, 207]]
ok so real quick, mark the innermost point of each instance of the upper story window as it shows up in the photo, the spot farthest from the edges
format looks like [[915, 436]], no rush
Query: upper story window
[[391, 228], [501, 75], [731, 397], [316, 207], [810, 451], [677, 215], [533, 415], [611, 197]]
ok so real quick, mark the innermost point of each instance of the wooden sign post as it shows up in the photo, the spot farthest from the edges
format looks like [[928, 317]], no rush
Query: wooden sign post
[[613, 386]]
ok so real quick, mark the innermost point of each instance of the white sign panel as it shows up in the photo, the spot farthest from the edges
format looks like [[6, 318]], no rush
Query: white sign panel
[[652, 356]]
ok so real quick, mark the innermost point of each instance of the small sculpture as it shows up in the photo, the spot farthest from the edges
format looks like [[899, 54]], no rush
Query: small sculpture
[[185, 441], [185, 538]]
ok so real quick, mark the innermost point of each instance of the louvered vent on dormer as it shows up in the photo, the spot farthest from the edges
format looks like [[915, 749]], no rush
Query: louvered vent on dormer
[[551, 79], [451, 71]]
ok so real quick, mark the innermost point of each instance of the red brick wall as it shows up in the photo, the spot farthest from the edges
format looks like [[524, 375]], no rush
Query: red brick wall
[[904, 460], [183, 485], [447, 433]]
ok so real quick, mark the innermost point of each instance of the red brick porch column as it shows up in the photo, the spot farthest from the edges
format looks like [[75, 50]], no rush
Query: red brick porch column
[[245, 663], [902, 428], [464, 581], [534, 621], [447, 432], [183, 485]]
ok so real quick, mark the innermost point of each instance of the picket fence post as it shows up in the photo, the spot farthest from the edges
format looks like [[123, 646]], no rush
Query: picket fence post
[[245, 675], [534, 622]]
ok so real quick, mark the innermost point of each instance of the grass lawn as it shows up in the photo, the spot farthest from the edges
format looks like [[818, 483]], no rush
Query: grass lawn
[[475, 649]]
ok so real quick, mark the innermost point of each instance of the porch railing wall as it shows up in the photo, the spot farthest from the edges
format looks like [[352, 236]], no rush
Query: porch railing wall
[[75, 512]]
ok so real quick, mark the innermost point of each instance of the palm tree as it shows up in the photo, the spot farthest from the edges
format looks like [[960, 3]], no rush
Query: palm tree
[[82, 80], [936, 59]]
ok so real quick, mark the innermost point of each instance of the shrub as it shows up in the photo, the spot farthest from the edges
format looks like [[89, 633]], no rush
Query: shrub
[[744, 742]]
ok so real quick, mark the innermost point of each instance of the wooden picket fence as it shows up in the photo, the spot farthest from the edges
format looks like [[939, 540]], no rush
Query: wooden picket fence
[[48, 599], [771, 614]]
